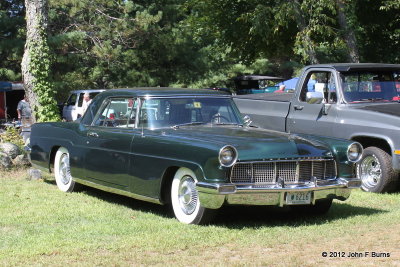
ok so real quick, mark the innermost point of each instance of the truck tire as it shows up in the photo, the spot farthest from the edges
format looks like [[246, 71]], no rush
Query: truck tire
[[376, 172]]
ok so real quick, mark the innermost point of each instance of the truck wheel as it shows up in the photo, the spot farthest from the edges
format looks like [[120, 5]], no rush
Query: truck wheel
[[185, 199], [62, 171], [321, 207], [376, 172]]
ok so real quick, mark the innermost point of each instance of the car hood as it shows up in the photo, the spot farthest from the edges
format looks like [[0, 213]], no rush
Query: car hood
[[254, 143]]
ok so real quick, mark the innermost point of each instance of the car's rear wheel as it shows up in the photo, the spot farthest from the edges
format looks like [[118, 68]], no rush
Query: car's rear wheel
[[376, 172], [62, 171], [185, 199]]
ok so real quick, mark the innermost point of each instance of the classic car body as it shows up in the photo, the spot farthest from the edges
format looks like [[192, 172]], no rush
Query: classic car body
[[192, 149]]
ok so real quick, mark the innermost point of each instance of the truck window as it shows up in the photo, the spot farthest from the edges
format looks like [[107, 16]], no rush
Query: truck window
[[91, 96], [370, 86], [71, 100], [320, 81]]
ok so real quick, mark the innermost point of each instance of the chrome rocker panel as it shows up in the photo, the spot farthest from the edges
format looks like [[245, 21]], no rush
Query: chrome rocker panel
[[214, 195]]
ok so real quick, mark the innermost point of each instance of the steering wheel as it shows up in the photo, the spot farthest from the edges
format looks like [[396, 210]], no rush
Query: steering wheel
[[217, 117]]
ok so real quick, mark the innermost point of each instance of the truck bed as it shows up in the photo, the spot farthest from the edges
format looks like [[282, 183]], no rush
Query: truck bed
[[280, 97], [268, 110]]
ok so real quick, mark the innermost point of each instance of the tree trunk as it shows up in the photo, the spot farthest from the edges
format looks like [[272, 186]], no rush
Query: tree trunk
[[348, 33], [301, 23], [36, 19]]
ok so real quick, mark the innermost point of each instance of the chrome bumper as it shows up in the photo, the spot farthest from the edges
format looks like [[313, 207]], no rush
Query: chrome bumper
[[214, 195]]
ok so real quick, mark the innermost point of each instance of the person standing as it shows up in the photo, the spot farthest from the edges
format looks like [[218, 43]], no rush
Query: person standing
[[86, 102], [23, 109]]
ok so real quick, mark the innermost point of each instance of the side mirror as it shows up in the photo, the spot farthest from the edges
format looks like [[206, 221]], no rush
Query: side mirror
[[246, 121], [314, 97]]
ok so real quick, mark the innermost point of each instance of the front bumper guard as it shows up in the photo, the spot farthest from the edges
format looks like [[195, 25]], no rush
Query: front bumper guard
[[214, 195]]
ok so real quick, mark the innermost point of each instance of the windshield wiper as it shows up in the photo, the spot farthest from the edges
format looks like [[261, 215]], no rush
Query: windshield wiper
[[188, 124], [370, 99], [227, 123]]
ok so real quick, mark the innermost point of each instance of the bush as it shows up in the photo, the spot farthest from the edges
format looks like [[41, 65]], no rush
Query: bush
[[12, 135]]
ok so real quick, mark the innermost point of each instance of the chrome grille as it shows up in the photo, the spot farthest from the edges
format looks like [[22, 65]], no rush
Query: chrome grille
[[291, 171]]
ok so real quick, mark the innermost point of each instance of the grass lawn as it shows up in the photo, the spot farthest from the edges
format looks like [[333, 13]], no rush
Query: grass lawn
[[42, 226]]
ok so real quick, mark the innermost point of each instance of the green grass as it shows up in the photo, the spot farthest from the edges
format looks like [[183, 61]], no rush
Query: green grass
[[42, 226]]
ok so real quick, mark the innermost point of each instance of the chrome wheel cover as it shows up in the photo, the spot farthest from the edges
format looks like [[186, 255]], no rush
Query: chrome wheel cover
[[370, 171], [64, 171], [187, 195]]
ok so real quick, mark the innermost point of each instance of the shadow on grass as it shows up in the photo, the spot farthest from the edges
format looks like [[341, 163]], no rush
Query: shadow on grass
[[242, 217], [237, 217], [138, 205]]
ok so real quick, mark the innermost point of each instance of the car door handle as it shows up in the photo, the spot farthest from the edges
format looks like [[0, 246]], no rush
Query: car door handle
[[297, 107], [92, 134]]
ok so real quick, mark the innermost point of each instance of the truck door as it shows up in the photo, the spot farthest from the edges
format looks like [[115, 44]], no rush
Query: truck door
[[316, 118], [69, 107]]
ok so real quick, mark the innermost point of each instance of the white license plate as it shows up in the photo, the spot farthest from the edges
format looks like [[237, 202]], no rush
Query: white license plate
[[298, 198]]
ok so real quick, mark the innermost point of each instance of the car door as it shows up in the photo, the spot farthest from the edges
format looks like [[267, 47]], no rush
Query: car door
[[69, 107], [109, 142], [315, 118]]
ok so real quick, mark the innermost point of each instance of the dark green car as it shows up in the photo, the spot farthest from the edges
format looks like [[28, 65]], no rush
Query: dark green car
[[192, 149]]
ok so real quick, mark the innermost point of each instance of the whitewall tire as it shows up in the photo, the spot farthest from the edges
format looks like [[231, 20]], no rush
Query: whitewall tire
[[62, 171], [185, 199]]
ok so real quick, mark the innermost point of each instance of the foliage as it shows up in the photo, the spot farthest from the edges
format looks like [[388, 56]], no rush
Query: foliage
[[12, 34], [12, 135], [39, 66], [189, 43]]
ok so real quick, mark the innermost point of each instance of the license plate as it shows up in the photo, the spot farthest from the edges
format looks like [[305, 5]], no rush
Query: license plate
[[298, 198]]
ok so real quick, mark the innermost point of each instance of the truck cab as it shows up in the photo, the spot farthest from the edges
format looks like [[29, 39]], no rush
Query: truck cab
[[72, 109], [356, 101]]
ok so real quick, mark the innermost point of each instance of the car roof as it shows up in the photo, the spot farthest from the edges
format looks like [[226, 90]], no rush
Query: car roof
[[87, 91], [256, 78], [347, 67], [163, 91]]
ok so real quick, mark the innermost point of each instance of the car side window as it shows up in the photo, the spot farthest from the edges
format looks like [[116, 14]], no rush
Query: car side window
[[71, 100], [320, 81], [118, 112], [80, 99]]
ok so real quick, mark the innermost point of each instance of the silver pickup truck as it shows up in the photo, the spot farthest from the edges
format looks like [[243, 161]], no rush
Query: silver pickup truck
[[360, 102]]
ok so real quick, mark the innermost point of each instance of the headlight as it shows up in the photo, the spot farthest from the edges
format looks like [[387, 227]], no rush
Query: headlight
[[354, 152], [228, 156]]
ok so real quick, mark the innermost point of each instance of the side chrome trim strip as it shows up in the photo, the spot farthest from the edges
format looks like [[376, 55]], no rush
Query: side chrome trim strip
[[118, 191]]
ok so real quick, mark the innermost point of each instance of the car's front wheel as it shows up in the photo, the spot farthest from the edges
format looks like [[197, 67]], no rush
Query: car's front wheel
[[185, 199], [376, 172], [62, 171]]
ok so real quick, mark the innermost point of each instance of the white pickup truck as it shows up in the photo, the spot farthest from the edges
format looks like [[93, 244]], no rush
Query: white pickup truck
[[73, 106]]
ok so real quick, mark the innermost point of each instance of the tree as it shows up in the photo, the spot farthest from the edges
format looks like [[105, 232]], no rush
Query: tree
[[36, 63], [12, 38], [348, 32]]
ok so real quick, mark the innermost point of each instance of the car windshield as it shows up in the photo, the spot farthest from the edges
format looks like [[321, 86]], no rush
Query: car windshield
[[188, 111], [371, 86]]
